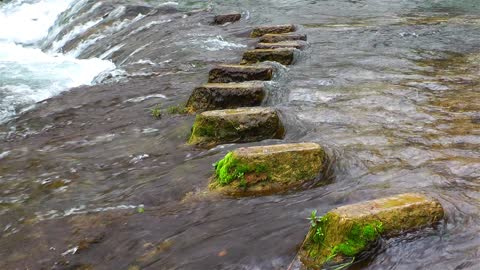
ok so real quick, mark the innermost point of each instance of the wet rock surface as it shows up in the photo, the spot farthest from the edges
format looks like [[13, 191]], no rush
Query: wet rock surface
[[274, 38], [284, 56], [227, 18], [240, 73], [283, 44], [269, 169], [272, 29], [236, 126], [215, 96]]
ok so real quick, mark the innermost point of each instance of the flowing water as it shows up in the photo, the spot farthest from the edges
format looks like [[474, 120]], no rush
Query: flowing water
[[89, 180]]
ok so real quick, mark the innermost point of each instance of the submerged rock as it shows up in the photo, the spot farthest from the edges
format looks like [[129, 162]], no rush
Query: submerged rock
[[284, 56], [273, 38], [213, 96], [349, 230], [236, 126], [272, 29], [240, 73], [283, 44], [227, 18], [267, 169]]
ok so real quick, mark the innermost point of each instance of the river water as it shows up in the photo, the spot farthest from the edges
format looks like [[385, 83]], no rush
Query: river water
[[88, 180]]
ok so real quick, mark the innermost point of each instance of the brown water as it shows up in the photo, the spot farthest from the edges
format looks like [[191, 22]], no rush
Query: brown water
[[390, 88]]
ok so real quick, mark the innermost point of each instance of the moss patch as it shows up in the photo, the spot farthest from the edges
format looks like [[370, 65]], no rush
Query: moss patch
[[230, 169]]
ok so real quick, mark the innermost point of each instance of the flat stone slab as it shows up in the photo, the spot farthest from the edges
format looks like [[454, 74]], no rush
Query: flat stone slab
[[236, 126], [349, 230], [285, 56], [240, 73], [227, 18], [274, 38], [272, 29], [268, 169], [283, 44], [214, 96]]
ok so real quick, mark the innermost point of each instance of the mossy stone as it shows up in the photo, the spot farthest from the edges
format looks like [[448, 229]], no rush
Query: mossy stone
[[284, 56], [282, 44], [214, 96], [268, 169], [274, 38], [240, 73], [349, 230], [236, 126], [272, 29], [227, 18]]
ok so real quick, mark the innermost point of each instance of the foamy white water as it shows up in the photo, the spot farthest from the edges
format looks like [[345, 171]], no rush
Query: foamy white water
[[27, 74]]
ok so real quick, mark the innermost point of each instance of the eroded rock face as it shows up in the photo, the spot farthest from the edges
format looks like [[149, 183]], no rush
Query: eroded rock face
[[214, 96], [272, 29], [236, 126], [349, 230], [227, 18], [267, 169], [240, 73], [285, 56], [283, 44], [274, 38]]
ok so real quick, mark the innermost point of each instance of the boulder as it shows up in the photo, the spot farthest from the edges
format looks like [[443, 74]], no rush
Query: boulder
[[272, 29], [347, 231], [283, 44], [212, 96], [236, 126], [263, 170], [283, 56], [274, 38], [227, 18], [240, 73]]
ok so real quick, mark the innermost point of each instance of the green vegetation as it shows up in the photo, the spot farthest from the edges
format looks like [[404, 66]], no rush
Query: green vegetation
[[230, 169], [156, 112], [359, 237], [177, 109]]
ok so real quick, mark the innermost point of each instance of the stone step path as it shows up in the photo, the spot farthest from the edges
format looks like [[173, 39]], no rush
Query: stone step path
[[214, 96], [240, 73], [347, 231], [262, 170], [273, 38], [295, 44], [272, 29], [250, 124]]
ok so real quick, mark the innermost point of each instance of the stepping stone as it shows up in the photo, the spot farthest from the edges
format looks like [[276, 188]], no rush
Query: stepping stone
[[236, 126], [345, 232], [227, 18], [283, 56], [212, 96], [264, 170], [240, 73], [283, 44], [274, 38], [272, 29]]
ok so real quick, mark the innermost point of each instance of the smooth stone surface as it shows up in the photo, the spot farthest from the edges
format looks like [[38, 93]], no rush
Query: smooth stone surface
[[212, 96], [284, 56], [261, 170], [274, 38], [396, 214], [236, 126], [227, 18], [272, 29], [283, 44], [240, 73]]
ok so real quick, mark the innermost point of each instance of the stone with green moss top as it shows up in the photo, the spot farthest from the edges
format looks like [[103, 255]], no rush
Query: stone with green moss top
[[282, 44], [214, 96], [268, 169], [284, 56], [274, 38], [272, 29], [240, 73], [236, 126], [347, 231]]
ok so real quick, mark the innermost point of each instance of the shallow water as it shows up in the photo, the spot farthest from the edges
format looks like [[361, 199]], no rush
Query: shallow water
[[390, 88]]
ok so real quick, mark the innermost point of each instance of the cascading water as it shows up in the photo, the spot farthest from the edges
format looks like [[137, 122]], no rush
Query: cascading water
[[28, 74]]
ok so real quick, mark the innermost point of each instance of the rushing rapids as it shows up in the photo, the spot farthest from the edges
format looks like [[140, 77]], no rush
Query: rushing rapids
[[88, 179]]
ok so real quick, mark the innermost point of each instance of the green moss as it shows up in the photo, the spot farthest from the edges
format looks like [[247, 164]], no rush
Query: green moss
[[359, 237], [177, 109], [230, 169]]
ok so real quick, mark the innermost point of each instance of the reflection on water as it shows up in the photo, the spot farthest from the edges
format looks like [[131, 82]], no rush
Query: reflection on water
[[389, 87]]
